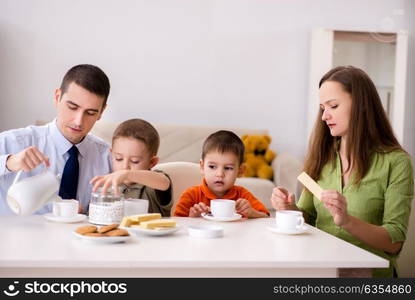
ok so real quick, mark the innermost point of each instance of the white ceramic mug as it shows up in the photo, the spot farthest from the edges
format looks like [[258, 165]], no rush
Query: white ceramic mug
[[65, 208], [289, 219], [26, 196], [222, 208], [135, 206]]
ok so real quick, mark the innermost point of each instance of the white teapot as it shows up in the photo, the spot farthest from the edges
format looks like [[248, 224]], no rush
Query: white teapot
[[29, 194]]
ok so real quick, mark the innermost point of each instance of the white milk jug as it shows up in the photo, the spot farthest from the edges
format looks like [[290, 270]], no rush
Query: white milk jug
[[29, 194]]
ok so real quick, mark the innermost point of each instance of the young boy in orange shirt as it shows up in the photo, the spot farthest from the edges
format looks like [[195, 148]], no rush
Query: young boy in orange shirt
[[221, 164]]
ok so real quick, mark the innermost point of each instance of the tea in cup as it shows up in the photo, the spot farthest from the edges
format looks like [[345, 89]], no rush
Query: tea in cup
[[65, 208], [135, 206], [289, 219], [222, 208]]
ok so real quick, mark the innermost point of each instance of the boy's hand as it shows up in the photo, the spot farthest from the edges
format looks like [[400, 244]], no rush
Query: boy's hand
[[111, 180], [197, 209], [243, 207]]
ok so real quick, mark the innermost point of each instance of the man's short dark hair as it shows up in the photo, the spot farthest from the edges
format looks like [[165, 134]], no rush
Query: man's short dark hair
[[140, 130], [224, 141], [90, 77]]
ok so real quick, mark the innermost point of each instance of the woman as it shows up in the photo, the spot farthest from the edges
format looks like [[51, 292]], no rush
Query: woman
[[365, 174]]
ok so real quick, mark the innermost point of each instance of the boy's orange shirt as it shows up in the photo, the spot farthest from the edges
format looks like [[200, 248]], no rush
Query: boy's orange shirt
[[201, 193]]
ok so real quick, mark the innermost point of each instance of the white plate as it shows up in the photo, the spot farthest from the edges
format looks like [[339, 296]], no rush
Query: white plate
[[205, 231], [298, 230], [103, 239], [221, 219], [74, 219], [154, 232]]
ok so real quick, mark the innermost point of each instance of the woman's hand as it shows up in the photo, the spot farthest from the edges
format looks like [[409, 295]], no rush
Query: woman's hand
[[281, 199], [336, 203]]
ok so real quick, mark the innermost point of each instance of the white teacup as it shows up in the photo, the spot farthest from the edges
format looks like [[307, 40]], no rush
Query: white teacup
[[65, 208], [135, 206], [221, 208], [289, 219]]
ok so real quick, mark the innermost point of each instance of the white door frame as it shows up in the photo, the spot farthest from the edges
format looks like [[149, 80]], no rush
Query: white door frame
[[399, 103], [321, 60]]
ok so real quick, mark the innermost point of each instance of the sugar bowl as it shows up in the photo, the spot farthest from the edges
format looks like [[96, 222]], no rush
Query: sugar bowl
[[106, 208]]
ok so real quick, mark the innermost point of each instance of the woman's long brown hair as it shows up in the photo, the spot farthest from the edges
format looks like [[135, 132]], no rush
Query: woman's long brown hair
[[369, 128]]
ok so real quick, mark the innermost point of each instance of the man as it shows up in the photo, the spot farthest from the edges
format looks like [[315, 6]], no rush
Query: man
[[62, 145]]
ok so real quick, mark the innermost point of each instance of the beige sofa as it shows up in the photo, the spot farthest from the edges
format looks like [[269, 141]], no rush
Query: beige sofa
[[183, 143]]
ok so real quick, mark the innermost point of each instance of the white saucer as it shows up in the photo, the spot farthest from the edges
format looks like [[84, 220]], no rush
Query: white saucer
[[74, 219], [298, 230], [103, 239], [153, 232], [221, 219]]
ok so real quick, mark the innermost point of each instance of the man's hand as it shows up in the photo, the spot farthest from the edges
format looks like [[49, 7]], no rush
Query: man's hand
[[26, 160]]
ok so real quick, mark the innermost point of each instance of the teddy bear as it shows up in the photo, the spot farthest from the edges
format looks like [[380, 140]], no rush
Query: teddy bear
[[257, 156]]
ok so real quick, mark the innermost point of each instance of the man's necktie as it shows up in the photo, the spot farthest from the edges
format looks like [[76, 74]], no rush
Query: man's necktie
[[69, 182]]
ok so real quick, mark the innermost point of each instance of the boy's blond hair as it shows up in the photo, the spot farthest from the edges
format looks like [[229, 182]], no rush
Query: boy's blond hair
[[224, 141], [140, 130]]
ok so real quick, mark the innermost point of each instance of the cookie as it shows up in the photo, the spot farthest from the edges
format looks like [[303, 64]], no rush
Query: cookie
[[107, 228], [95, 234], [117, 232], [86, 229]]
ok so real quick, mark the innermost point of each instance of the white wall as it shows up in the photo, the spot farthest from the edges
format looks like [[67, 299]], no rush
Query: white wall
[[227, 62]]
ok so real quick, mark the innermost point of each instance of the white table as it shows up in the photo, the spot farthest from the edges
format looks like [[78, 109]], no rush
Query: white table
[[34, 247]]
